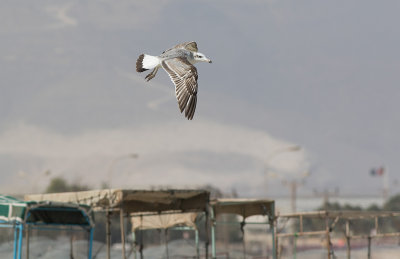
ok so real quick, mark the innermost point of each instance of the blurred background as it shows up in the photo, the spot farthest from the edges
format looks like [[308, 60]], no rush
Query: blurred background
[[300, 101], [299, 105]]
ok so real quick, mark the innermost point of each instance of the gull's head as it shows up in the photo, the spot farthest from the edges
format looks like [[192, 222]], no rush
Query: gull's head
[[200, 57]]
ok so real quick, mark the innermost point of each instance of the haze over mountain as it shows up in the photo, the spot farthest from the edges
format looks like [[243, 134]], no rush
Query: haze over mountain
[[322, 75]]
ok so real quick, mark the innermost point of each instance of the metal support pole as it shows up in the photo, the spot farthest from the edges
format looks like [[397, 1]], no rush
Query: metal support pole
[[196, 238], [243, 238], [293, 195], [27, 241], [273, 231], [207, 230], [369, 247], [273, 226], [213, 245], [166, 242], [348, 248], [301, 223], [71, 247], [20, 237], [141, 244], [121, 221], [15, 241], [91, 242], [276, 239], [134, 244], [108, 234]]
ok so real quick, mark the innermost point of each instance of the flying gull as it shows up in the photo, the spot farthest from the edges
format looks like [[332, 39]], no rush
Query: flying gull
[[178, 61]]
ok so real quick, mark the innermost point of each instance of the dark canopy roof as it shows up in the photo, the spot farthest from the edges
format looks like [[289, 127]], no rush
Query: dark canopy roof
[[57, 213], [243, 207]]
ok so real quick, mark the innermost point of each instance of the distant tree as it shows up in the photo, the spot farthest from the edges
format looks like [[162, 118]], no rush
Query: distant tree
[[214, 191], [336, 206], [105, 185], [77, 187], [59, 184], [115, 227], [373, 207], [393, 204], [358, 226]]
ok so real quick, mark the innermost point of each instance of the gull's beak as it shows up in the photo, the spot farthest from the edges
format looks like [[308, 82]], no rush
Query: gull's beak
[[209, 61]]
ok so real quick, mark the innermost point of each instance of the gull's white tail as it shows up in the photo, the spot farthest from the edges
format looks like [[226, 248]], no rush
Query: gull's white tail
[[146, 62]]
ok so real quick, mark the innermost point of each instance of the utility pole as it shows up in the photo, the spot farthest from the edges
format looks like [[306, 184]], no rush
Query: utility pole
[[114, 162], [293, 185], [293, 195], [385, 184], [383, 173], [277, 152]]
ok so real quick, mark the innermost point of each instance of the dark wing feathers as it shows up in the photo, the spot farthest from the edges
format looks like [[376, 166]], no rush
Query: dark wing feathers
[[139, 64], [184, 76]]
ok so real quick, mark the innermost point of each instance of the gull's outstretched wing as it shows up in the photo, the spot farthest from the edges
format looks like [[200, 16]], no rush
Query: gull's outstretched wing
[[190, 45], [184, 76]]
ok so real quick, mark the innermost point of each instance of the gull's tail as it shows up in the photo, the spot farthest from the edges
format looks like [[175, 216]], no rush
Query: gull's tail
[[146, 62]]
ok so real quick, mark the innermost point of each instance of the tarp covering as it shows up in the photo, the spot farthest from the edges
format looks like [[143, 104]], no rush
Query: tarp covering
[[158, 201], [164, 221], [243, 207], [132, 201], [96, 198]]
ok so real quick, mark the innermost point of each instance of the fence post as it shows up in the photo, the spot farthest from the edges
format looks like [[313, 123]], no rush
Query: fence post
[[348, 248], [108, 233], [328, 238], [122, 226], [369, 247]]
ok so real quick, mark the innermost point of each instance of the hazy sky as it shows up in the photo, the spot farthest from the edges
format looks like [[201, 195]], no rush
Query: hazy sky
[[320, 74]]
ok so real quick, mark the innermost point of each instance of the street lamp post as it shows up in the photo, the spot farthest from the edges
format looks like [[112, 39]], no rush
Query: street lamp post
[[115, 161], [282, 150], [293, 185], [108, 214], [278, 152]]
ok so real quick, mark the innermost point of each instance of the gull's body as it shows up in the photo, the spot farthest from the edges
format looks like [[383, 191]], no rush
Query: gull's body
[[178, 63]]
